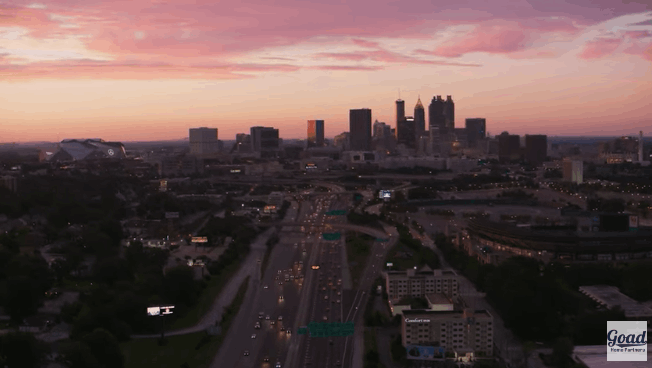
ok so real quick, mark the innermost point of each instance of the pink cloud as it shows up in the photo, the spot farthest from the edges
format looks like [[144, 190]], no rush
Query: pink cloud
[[638, 34], [182, 32], [385, 57], [367, 44], [492, 39], [91, 69], [600, 48], [347, 67]]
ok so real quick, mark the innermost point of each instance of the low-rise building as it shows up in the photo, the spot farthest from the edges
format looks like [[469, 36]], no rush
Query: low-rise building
[[611, 297], [419, 283], [464, 334]]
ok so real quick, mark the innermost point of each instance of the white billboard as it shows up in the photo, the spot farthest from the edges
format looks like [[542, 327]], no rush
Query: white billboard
[[154, 311], [166, 309], [385, 194]]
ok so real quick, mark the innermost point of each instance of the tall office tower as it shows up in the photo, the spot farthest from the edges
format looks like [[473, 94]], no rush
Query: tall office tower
[[640, 146], [406, 133], [419, 118], [476, 130], [509, 147], [378, 130], [436, 114], [400, 110], [449, 113], [360, 129], [264, 140], [203, 141], [536, 149], [573, 171], [315, 133]]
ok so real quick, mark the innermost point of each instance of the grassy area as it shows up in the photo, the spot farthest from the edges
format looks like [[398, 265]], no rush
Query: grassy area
[[212, 290], [194, 350], [358, 249], [409, 252]]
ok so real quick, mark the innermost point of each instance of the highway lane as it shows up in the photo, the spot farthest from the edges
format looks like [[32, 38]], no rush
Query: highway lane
[[272, 341], [354, 346]]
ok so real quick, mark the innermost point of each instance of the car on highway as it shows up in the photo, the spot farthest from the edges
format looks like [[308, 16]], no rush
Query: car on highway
[[272, 322], [280, 297], [325, 318], [260, 315], [278, 364], [266, 359], [253, 336], [265, 287], [338, 363], [280, 318], [280, 282], [267, 317], [246, 353], [315, 267], [257, 325], [338, 300], [339, 293]]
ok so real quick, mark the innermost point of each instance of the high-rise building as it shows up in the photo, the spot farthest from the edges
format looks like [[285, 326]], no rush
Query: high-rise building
[[264, 140], [203, 141], [379, 130], [476, 130], [509, 147], [342, 140], [406, 132], [419, 118], [442, 114], [573, 171], [315, 133], [536, 149], [400, 110], [360, 129], [449, 113]]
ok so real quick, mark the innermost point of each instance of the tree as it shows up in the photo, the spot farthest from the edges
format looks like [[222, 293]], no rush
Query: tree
[[105, 348], [561, 351], [22, 298], [78, 355], [18, 349]]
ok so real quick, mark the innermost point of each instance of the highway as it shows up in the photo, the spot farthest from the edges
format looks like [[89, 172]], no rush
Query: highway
[[272, 342]]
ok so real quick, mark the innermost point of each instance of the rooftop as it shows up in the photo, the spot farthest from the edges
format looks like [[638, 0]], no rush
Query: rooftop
[[595, 356], [611, 297]]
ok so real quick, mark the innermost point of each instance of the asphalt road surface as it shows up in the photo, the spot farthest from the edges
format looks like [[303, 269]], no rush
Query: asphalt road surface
[[272, 342]]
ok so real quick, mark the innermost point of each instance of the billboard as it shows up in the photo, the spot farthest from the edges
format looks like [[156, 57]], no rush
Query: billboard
[[166, 309], [236, 171], [199, 239], [311, 166], [633, 222], [385, 194], [269, 209], [418, 352], [171, 215], [154, 311]]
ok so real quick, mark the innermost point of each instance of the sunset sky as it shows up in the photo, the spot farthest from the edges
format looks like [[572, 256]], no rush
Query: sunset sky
[[150, 69]]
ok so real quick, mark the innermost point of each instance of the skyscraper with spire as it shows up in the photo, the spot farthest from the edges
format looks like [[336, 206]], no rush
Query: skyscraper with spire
[[419, 118]]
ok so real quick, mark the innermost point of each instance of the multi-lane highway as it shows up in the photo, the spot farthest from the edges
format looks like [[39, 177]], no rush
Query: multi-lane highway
[[284, 297]]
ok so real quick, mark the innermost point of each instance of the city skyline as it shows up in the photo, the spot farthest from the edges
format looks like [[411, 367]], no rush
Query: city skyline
[[94, 69]]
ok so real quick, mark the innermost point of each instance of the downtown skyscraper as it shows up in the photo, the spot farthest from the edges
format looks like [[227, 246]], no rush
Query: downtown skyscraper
[[441, 114], [360, 129], [419, 118], [315, 133]]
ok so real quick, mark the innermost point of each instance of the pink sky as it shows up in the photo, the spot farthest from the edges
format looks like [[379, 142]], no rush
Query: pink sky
[[150, 69]]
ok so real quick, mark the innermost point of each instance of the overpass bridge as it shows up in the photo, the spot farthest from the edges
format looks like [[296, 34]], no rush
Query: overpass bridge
[[330, 226]]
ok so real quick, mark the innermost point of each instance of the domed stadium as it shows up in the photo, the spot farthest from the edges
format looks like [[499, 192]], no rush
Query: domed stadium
[[87, 149]]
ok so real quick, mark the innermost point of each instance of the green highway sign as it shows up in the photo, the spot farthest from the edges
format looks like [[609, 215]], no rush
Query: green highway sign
[[302, 330], [336, 213], [382, 240], [331, 236]]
